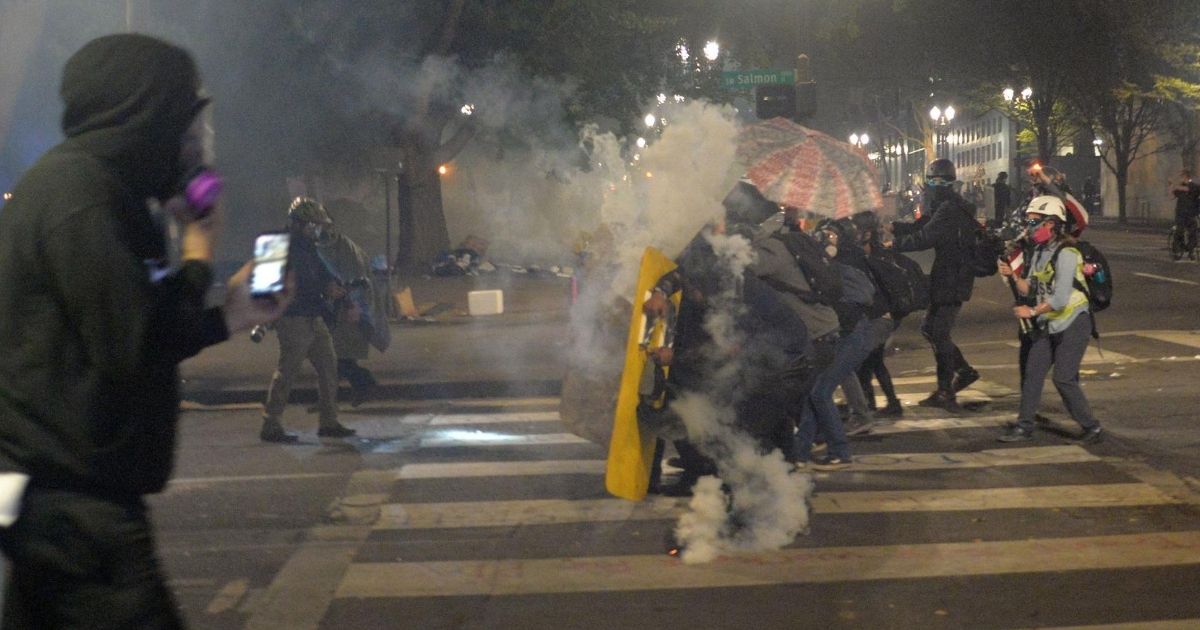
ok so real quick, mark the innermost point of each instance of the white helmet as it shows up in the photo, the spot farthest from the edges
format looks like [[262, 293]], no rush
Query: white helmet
[[1049, 206]]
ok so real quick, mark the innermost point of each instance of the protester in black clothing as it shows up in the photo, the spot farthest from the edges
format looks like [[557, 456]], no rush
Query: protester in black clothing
[[770, 372], [867, 227], [94, 320], [1187, 207], [1001, 196], [1090, 195], [949, 229]]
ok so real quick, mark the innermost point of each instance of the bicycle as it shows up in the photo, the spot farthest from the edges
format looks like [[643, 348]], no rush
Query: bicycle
[[1176, 244]]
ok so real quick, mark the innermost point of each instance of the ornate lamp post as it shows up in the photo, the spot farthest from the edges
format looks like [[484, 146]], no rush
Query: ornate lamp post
[[941, 124]]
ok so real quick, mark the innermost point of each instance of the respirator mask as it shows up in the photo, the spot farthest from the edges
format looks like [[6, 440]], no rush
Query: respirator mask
[[1042, 231], [200, 185]]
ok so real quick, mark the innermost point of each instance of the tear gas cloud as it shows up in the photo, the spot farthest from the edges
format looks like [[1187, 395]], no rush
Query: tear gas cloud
[[767, 504]]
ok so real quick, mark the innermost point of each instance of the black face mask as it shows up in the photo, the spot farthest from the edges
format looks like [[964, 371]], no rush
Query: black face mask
[[936, 195]]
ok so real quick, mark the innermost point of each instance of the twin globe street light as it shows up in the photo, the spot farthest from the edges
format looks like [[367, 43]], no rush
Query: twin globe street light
[[941, 125]]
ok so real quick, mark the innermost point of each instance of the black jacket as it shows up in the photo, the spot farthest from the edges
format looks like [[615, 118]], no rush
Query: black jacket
[[92, 324], [950, 231]]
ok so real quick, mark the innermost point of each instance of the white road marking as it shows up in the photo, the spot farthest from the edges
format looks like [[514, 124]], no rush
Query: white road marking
[[228, 597], [1165, 278], [1094, 354], [448, 438], [493, 418], [502, 469], [786, 566], [521, 513], [1183, 338]]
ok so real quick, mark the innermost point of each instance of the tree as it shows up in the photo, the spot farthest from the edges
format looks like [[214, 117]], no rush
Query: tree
[[1135, 77], [607, 57]]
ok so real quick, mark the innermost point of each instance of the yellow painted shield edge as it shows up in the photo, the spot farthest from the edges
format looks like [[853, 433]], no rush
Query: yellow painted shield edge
[[631, 451]]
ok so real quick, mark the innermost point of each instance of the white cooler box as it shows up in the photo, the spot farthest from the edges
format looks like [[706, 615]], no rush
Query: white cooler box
[[485, 302]]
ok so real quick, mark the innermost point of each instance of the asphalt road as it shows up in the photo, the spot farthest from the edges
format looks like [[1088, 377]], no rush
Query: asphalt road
[[467, 507]]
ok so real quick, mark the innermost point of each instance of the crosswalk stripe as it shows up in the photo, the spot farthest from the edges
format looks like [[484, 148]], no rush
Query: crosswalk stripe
[[502, 469], [447, 438], [787, 566], [1093, 355], [505, 402], [1191, 339], [555, 511], [909, 399], [987, 458], [493, 418], [1017, 456], [941, 424]]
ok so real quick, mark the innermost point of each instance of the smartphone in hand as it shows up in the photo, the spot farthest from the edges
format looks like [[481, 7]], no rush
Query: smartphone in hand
[[267, 278]]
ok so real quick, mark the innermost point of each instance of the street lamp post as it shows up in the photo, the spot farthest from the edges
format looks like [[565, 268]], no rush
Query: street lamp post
[[941, 124], [1015, 102]]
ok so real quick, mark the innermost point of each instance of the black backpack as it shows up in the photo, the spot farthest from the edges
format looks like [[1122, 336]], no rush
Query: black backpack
[[823, 278], [986, 249], [1098, 275], [902, 281]]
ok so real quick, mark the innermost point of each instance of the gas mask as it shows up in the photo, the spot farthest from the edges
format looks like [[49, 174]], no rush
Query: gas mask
[[200, 184], [937, 192]]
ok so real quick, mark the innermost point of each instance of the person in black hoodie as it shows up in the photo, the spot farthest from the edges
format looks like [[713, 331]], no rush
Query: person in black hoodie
[[93, 322], [949, 228]]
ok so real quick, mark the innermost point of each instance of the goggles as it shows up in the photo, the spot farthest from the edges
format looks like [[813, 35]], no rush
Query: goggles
[[938, 182]]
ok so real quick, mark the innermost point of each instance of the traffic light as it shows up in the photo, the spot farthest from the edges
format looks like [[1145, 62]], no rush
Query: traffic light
[[771, 101]]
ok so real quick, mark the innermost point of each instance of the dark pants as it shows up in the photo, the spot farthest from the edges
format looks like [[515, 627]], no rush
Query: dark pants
[[80, 561], [873, 365], [1186, 231], [938, 324], [820, 415], [1064, 351]]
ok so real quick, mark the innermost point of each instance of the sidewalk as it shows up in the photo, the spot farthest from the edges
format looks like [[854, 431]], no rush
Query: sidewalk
[[449, 354]]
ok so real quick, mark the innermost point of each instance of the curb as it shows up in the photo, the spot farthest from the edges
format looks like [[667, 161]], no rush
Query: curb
[[391, 391]]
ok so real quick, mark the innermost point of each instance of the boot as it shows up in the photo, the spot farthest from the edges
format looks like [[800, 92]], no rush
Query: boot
[[272, 431], [942, 399]]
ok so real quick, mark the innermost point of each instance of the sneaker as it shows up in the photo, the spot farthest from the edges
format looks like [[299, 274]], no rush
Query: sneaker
[[942, 400], [1094, 435], [1016, 434], [335, 431], [830, 463], [858, 426], [819, 447], [964, 378], [892, 410], [273, 432]]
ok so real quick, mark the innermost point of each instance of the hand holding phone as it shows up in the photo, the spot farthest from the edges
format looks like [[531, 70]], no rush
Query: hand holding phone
[[267, 278]]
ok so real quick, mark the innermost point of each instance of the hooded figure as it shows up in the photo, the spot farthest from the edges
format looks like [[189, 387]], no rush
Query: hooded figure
[[92, 326]]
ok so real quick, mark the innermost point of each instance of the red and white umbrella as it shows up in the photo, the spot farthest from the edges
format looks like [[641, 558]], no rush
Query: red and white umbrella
[[797, 166]]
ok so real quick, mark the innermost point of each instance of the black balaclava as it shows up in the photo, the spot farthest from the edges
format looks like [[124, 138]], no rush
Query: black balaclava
[[129, 99]]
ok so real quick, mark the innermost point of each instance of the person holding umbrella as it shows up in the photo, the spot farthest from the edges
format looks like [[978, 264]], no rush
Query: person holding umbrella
[[949, 229]]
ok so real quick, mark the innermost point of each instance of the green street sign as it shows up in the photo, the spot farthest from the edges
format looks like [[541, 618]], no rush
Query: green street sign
[[747, 79]]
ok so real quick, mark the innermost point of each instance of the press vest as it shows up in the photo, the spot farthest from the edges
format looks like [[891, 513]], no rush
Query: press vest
[[1043, 281]]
